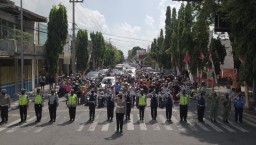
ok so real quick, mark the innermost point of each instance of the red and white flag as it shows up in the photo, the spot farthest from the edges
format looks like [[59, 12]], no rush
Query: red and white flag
[[186, 58], [201, 55]]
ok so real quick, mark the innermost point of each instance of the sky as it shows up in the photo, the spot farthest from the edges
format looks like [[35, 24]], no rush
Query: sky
[[124, 23]]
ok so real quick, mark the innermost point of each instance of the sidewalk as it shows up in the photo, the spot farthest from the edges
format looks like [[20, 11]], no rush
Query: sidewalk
[[14, 100]]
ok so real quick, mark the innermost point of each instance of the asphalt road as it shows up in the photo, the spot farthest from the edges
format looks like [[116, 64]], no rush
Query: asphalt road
[[102, 132]]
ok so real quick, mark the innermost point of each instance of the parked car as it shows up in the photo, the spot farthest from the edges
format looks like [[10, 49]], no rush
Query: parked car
[[108, 80], [92, 75]]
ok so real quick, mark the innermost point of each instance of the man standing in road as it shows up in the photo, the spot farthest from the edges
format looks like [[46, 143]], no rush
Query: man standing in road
[[184, 100], [23, 105], [227, 108], [128, 105], [53, 102], [110, 107], [214, 106], [92, 105], [201, 107], [5, 103], [142, 104], [239, 105], [168, 105], [154, 105], [72, 103], [38, 105]]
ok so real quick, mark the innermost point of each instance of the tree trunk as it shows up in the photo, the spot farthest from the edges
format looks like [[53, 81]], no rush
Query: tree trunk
[[254, 93], [247, 100], [56, 80]]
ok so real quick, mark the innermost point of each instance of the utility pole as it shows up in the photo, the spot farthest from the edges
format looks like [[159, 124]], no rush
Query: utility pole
[[73, 50], [21, 42]]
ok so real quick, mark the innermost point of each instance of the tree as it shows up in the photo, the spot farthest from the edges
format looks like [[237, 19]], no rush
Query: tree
[[219, 53], [82, 54], [57, 36], [98, 49], [167, 40], [132, 53]]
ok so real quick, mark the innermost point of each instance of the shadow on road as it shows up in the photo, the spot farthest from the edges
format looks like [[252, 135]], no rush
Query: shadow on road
[[29, 124], [65, 123], [114, 136], [45, 124]]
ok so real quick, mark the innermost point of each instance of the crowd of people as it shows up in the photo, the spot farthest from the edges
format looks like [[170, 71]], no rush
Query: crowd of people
[[162, 90]]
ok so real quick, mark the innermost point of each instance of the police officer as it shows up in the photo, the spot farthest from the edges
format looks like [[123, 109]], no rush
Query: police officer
[[128, 105], [38, 105], [214, 106], [184, 100], [92, 105], [142, 104], [72, 103], [168, 105], [5, 103], [110, 107], [53, 103], [201, 107], [23, 105], [227, 108], [154, 105]]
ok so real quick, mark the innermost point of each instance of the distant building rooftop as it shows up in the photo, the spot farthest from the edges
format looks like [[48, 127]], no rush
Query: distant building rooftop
[[9, 7]]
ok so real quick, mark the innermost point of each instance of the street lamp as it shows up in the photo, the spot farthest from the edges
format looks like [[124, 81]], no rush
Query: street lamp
[[21, 42], [73, 51]]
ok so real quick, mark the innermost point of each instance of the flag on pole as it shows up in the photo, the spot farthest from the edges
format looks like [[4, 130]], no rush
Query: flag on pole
[[186, 58], [201, 55]]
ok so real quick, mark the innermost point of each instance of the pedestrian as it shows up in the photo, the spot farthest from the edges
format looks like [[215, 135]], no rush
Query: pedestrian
[[227, 108], [239, 106], [53, 103], [142, 104], [38, 100], [184, 100], [120, 110], [214, 106], [92, 105], [128, 105], [154, 105], [169, 105], [42, 81], [23, 105], [133, 94], [5, 103], [110, 107], [201, 107], [72, 103]]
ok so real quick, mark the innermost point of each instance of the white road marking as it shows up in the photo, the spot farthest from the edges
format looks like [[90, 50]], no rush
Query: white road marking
[[105, 127], [166, 126], [249, 122], [10, 124], [225, 126], [40, 128], [94, 124], [130, 125], [202, 126], [213, 126], [16, 127], [142, 124]]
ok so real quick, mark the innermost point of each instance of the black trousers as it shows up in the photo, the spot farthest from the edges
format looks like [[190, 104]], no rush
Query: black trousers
[[23, 112], [72, 113], [110, 112], [92, 111], [153, 112], [200, 112], [52, 111], [38, 111], [4, 113], [239, 114], [128, 110], [183, 112], [168, 113], [133, 100], [141, 110], [119, 121]]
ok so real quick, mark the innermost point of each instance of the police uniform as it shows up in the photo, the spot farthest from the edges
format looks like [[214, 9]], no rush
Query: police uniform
[[23, 106], [72, 103], [183, 106], [110, 107], [5, 103], [92, 105], [53, 102], [38, 106], [128, 106], [168, 106], [154, 105], [141, 105], [201, 108]]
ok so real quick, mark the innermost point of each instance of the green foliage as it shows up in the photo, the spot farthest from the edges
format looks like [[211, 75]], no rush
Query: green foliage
[[82, 53], [57, 35], [98, 49], [166, 58]]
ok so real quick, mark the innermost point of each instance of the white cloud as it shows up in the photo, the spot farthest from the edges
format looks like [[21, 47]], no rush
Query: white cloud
[[149, 21], [85, 18]]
